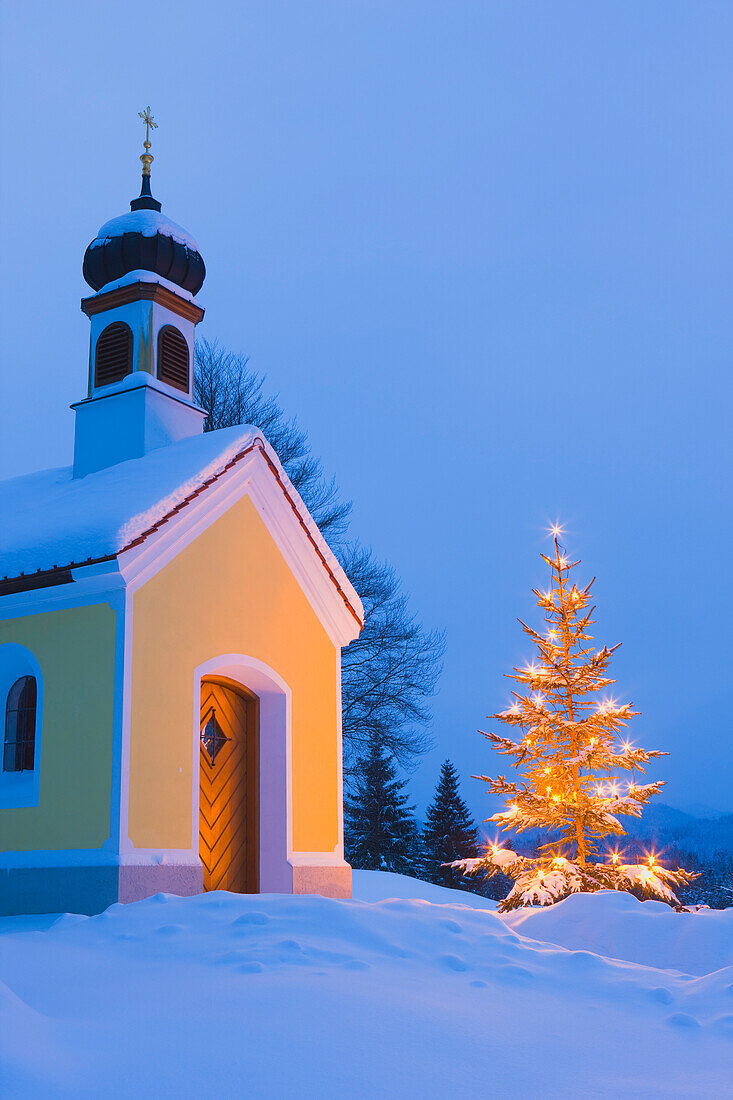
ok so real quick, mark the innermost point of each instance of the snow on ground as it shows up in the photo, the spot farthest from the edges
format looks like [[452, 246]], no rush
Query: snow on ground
[[430, 994], [383, 885]]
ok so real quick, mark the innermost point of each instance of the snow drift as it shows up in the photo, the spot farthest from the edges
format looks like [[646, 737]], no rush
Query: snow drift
[[272, 996]]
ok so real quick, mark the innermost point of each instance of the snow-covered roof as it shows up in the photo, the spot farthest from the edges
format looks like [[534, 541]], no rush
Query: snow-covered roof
[[147, 222], [52, 520]]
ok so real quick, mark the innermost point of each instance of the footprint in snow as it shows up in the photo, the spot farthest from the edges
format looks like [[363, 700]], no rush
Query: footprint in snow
[[454, 963], [661, 995], [725, 1025], [252, 918], [514, 975], [451, 926], [683, 1019]]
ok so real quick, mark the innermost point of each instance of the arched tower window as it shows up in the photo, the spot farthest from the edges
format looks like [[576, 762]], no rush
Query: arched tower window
[[113, 355], [173, 358], [20, 726]]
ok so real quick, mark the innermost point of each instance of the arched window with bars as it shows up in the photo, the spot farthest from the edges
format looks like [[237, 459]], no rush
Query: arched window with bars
[[113, 354], [173, 358], [20, 726]]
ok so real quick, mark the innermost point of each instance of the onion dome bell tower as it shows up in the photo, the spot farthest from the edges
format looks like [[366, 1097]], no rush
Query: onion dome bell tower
[[145, 271]]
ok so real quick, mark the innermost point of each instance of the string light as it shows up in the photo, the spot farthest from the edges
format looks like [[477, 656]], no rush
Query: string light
[[567, 759]]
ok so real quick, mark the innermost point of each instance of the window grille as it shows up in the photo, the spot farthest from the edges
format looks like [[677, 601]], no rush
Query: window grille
[[113, 355], [20, 726], [213, 737], [173, 358]]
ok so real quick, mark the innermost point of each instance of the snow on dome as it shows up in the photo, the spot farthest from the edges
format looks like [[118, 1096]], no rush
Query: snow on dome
[[147, 222], [53, 519]]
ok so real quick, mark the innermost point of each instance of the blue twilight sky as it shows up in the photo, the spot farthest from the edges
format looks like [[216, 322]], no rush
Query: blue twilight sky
[[482, 249]]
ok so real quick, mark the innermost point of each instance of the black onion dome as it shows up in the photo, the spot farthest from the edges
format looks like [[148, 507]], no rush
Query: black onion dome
[[144, 240]]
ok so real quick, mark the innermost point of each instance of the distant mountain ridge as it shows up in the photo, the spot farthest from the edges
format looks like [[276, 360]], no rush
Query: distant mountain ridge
[[667, 825], [661, 826]]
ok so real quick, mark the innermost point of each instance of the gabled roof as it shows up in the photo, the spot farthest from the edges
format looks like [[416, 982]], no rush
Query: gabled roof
[[53, 521]]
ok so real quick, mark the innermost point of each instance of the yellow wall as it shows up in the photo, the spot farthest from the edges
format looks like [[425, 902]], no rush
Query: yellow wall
[[75, 648], [229, 591]]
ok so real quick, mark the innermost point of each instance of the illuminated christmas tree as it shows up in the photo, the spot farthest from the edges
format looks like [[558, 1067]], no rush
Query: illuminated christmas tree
[[570, 751]]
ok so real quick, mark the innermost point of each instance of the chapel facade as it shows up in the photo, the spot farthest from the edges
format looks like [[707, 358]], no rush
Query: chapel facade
[[171, 626]]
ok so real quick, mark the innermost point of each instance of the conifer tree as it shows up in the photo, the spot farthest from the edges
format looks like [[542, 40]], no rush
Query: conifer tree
[[569, 748], [449, 833], [380, 830]]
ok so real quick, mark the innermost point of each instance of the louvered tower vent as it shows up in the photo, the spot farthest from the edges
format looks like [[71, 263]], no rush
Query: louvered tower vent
[[173, 358], [113, 356]]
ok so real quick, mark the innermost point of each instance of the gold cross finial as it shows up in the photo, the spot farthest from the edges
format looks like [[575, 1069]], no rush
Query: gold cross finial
[[146, 158]]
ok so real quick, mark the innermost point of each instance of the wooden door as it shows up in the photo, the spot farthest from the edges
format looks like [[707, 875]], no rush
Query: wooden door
[[228, 838]]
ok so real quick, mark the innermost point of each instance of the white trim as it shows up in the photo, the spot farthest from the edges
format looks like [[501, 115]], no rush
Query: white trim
[[275, 755], [20, 789], [339, 849], [141, 562], [252, 477]]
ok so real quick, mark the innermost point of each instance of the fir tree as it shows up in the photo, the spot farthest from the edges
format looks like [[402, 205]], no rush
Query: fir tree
[[569, 752], [380, 830], [449, 833]]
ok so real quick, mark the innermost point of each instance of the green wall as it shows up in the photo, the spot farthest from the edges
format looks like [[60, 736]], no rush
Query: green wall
[[75, 648]]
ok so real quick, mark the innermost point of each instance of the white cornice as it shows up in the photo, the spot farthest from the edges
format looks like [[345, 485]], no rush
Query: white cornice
[[253, 476]]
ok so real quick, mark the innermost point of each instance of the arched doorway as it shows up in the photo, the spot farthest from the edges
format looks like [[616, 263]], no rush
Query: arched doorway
[[228, 790]]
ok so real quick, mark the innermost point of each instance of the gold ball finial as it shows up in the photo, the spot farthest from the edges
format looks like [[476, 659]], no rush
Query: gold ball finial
[[146, 157]]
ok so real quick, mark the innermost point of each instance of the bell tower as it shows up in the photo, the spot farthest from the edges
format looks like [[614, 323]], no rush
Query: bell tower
[[145, 271]]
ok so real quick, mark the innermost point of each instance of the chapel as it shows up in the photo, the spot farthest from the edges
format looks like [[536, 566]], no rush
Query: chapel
[[171, 626]]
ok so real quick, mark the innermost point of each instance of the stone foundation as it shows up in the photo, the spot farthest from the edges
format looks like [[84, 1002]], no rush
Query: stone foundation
[[93, 888], [90, 889], [329, 880]]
